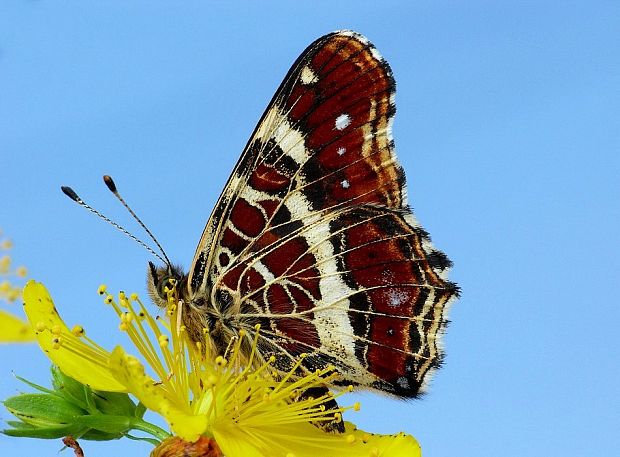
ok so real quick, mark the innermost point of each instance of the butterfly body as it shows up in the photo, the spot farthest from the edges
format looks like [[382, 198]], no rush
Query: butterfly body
[[312, 237]]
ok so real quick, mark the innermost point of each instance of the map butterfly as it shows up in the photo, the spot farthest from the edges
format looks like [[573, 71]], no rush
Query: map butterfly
[[312, 237]]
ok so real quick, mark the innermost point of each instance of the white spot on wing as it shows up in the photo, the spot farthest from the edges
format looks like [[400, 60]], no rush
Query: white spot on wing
[[341, 151], [403, 382], [345, 184], [342, 121], [308, 76], [396, 298]]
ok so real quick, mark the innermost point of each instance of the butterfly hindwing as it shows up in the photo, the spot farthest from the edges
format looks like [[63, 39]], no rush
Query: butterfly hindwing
[[312, 237]]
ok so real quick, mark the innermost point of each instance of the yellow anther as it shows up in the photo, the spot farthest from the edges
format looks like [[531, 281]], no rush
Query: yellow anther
[[56, 329], [272, 359], [303, 355], [133, 297], [109, 299], [126, 317], [163, 340], [337, 417], [211, 380], [13, 295], [123, 327], [56, 343], [21, 272], [121, 295], [6, 244], [141, 315], [350, 388], [78, 330], [366, 437], [40, 326], [357, 406], [257, 327], [220, 361], [102, 289], [350, 439]]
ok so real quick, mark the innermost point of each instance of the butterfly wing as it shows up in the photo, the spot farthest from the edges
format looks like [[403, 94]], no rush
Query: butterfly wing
[[312, 236]]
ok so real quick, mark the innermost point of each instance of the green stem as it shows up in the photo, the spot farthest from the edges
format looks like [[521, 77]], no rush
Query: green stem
[[152, 429]]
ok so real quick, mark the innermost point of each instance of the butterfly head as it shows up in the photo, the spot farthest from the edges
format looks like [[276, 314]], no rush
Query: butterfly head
[[160, 278]]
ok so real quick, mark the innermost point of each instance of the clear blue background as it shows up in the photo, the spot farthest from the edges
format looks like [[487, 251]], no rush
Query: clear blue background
[[507, 127]]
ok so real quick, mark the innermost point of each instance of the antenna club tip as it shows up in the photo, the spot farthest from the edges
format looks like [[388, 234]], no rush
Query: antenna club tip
[[110, 183], [70, 193]]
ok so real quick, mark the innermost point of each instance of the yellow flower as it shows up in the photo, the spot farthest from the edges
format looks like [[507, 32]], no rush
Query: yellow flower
[[233, 400], [12, 328]]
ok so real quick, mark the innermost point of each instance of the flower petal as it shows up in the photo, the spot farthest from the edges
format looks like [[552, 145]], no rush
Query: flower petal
[[130, 372], [72, 355], [13, 329], [306, 440]]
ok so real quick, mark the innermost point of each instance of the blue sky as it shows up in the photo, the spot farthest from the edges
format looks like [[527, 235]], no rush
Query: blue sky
[[507, 128]]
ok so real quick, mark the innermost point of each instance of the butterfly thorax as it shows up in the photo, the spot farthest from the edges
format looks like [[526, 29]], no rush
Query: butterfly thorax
[[208, 318]]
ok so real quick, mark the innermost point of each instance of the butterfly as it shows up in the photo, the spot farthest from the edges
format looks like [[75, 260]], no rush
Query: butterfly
[[312, 237]]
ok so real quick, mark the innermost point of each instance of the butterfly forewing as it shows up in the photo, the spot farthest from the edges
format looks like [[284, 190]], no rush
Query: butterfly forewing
[[312, 237]]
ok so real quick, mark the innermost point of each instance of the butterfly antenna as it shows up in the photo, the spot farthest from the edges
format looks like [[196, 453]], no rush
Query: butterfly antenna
[[110, 183], [76, 198]]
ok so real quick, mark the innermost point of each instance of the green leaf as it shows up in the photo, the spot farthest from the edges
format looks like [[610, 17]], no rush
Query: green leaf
[[140, 410], [108, 423], [43, 409], [97, 435], [114, 403], [45, 432], [69, 388]]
